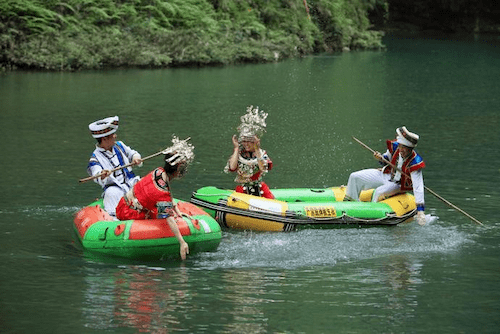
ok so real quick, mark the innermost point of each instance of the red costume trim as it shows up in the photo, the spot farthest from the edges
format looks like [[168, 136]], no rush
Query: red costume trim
[[150, 190], [413, 163], [266, 192]]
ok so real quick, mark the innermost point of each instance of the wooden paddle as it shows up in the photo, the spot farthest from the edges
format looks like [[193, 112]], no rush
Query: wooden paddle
[[426, 188]]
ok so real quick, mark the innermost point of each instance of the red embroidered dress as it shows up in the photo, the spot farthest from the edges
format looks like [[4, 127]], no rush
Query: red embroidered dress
[[249, 173], [149, 199]]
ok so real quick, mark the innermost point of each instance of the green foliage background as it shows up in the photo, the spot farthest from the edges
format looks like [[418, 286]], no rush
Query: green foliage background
[[93, 34]]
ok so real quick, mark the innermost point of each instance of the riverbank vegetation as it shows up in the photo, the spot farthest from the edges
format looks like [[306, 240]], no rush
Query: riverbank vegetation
[[449, 16], [94, 34]]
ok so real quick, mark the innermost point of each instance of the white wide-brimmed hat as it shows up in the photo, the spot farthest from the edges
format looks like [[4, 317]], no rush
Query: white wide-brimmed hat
[[406, 138], [104, 127]]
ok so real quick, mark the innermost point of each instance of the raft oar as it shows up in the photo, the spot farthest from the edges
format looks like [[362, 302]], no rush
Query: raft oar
[[130, 164], [426, 188]]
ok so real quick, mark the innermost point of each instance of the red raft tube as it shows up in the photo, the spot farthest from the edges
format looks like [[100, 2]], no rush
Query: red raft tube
[[100, 234]]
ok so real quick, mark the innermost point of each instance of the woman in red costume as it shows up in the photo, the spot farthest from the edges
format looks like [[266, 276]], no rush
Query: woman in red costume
[[248, 160], [151, 198]]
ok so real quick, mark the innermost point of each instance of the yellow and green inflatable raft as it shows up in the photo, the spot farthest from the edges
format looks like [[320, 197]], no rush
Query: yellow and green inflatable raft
[[299, 208]]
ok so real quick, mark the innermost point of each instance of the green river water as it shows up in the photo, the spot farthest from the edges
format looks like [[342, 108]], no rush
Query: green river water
[[440, 278]]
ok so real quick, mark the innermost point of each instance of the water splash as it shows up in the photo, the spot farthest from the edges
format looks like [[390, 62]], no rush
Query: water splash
[[330, 247]]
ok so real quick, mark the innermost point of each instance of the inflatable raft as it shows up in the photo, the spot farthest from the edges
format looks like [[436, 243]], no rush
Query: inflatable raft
[[101, 234], [301, 208]]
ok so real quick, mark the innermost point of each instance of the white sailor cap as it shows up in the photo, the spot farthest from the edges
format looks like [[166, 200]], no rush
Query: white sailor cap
[[104, 127], [406, 138]]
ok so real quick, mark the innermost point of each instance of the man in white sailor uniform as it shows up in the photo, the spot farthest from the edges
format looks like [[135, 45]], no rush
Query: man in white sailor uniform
[[109, 154], [388, 181]]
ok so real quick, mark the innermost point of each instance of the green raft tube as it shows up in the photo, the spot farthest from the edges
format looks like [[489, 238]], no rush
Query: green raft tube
[[300, 208], [99, 234]]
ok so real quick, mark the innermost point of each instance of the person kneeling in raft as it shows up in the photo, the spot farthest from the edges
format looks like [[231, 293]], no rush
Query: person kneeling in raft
[[151, 198], [388, 181]]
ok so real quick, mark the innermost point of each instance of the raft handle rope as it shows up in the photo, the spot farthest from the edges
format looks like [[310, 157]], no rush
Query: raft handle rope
[[208, 195]]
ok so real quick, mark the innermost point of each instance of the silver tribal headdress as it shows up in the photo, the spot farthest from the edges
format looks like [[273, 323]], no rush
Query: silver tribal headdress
[[253, 123], [181, 151]]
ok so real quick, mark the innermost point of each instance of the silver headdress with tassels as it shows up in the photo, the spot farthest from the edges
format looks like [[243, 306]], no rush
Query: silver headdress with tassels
[[253, 123], [181, 151]]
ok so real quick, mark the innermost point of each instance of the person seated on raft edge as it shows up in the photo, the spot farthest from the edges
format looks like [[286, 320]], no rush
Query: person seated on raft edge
[[387, 181], [151, 197], [248, 160], [108, 154]]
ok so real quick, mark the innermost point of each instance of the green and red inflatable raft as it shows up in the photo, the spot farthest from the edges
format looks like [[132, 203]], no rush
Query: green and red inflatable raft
[[151, 239], [300, 208]]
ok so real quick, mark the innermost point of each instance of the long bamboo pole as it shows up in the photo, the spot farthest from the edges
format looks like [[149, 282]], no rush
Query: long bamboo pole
[[426, 188], [120, 167], [164, 151]]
